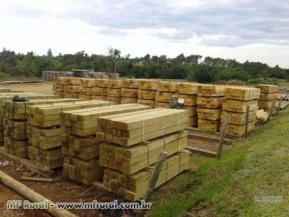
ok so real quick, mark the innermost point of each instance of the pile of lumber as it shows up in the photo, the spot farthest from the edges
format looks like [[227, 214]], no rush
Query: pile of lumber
[[187, 94], [147, 92], [133, 142], [240, 106], [165, 94], [209, 106], [8, 96], [99, 89], [54, 75], [269, 94], [85, 89], [58, 86], [113, 91], [45, 133], [81, 145], [14, 122], [129, 91], [72, 87]]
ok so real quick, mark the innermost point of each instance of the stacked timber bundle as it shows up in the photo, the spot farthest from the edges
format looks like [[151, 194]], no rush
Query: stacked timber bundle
[[72, 87], [165, 94], [58, 86], [45, 133], [129, 91], [14, 124], [187, 93], [113, 91], [8, 96], [209, 106], [147, 92], [133, 143], [85, 90], [54, 75], [99, 89], [81, 146], [269, 94], [240, 104]]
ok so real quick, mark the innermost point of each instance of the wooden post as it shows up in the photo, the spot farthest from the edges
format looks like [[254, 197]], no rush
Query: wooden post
[[156, 174], [247, 120], [279, 105], [223, 132], [271, 110], [33, 196]]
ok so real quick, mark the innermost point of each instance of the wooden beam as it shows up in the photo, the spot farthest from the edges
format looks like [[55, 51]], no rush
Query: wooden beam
[[223, 132], [271, 110], [155, 175], [208, 137], [247, 120], [33, 196], [279, 105], [36, 179], [27, 163], [204, 152]]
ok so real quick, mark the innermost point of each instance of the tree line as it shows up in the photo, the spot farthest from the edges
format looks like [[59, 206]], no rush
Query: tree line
[[192, 67]]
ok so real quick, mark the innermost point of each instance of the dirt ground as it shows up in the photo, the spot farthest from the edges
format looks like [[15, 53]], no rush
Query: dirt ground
[[57, 191], [45, 87]]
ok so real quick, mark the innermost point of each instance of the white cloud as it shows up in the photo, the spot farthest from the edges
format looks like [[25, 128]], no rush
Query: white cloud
[[221, 29]]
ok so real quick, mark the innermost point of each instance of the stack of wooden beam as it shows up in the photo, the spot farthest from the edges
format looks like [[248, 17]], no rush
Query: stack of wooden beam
[[147, 92], [237, 99], [45, 133], [269, 94], [99, 89], [133, 142], [187, 93], [129, 91], [14, 122], [81, 145], [8, 96], [165, 93], [54, 75], [58, 86], [209, 106], [85, 89], [113, 91], [72, 87]]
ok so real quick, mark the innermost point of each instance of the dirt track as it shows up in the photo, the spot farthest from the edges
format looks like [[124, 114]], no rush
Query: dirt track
[[58, 191]]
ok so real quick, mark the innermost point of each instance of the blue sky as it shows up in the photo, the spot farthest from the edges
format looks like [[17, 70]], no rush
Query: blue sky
[[241, 29]]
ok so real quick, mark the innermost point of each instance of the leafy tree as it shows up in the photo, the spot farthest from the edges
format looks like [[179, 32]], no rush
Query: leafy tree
[[147, 58], [180, 58], [181, 67], [113, 55], [155, 59], [49, 52], [203, 74]]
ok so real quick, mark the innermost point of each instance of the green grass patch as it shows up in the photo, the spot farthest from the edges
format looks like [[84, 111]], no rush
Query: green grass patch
[[251, 179]]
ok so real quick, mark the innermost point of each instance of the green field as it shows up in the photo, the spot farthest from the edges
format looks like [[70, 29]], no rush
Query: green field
[[252, 179], [284, 84]]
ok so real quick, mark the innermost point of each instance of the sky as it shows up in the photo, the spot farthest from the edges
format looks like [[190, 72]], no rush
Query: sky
[[254, 30]]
